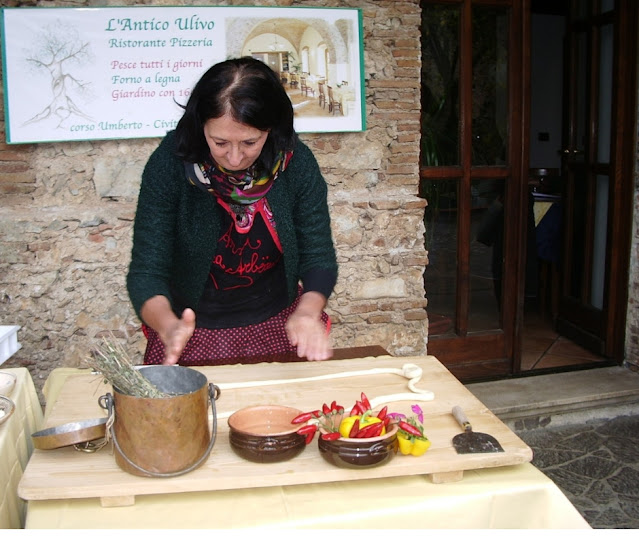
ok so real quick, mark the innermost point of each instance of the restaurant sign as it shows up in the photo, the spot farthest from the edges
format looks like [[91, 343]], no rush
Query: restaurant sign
[[126, 72]]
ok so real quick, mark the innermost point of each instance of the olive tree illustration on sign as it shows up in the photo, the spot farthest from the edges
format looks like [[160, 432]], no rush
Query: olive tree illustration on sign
[[60, 52]]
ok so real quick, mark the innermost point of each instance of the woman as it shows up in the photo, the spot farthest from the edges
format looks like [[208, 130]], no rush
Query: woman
[[232, 216]]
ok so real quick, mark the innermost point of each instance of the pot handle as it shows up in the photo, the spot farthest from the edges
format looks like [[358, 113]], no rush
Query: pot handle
[[106, 402]]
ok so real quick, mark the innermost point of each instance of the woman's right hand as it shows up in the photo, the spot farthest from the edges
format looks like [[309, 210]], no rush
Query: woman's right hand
[[176, 336], [173, 331]]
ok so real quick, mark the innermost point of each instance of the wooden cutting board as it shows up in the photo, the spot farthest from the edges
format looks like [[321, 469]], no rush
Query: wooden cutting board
[[68, 473]]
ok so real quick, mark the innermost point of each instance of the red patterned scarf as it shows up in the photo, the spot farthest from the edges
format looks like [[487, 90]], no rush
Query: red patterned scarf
[[243, 187]]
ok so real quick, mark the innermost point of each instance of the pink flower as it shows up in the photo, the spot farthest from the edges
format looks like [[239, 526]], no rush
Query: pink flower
[[417, 410]]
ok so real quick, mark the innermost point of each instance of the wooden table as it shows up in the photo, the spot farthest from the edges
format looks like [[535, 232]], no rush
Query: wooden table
[[66, 488], [16, 447]]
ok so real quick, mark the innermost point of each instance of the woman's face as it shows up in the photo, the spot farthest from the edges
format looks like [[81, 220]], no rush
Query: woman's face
[[234, 146]]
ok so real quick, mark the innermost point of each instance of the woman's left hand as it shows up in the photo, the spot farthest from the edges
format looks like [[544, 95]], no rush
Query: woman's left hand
[[306, 330]]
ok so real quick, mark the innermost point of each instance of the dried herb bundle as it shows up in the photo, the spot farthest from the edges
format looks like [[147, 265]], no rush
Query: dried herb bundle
[[110, 358]]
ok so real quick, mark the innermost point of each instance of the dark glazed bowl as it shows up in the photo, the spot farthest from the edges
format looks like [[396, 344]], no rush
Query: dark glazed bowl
[[360, 453], [264, 434]]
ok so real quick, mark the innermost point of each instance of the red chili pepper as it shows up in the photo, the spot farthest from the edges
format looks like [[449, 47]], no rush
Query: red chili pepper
[[325, 409], [382, 413], [332, 436], [372, 430], [339, 409], [308, 429], [365, 401], [354, 429], [386, 421], [355, 411], [360, 433], [360, 407], [317, 413], [375, 429], [302, 417], [334, 406], [367, 431], [410, 428]]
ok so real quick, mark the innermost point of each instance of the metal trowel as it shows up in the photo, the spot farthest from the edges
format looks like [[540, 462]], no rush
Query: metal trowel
[[470, 442]]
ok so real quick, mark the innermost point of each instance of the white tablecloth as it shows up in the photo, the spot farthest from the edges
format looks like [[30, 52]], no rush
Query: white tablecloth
[[16, 447], [345, 96], [513, 497]]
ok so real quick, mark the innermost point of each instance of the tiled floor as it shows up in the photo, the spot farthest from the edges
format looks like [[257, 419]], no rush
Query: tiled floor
[[543, 348]]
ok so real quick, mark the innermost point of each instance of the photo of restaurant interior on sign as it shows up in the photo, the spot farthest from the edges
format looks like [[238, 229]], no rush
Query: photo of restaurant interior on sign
[[312, 61]]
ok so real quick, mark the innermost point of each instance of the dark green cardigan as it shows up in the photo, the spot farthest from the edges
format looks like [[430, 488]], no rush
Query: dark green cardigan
[[177, 227]]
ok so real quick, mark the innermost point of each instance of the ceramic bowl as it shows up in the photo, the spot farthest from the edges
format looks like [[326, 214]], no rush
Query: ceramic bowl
[[360, 453], [7, 407], [7, 382], [265, 434]]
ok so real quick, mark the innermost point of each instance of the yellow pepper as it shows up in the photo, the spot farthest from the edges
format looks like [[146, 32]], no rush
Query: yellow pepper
[[347, 424], [412, 445]]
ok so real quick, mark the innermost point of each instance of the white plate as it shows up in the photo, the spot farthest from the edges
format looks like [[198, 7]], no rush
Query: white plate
[[9, 344], [7, 407], [7, 382]]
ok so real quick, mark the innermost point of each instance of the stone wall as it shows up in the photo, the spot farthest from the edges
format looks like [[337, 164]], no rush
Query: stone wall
[[66, 212]]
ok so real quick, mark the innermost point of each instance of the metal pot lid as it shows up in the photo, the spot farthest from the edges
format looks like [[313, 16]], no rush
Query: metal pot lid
[[72, 433]]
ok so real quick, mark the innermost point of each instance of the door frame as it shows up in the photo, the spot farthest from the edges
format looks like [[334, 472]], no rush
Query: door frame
[[625, 154]]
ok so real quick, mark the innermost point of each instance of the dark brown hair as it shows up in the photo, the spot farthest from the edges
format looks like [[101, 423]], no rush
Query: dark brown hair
[[251, 93]]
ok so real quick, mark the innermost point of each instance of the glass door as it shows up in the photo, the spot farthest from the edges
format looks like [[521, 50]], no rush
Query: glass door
[[471, 176]]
